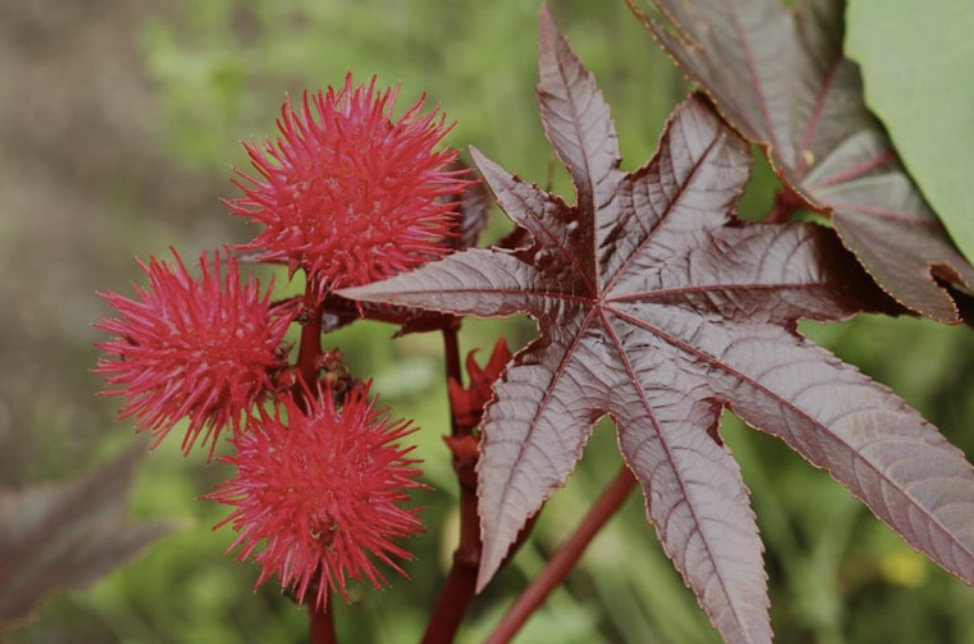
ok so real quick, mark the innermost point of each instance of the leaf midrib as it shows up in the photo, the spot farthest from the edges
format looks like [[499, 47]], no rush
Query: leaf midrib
[[670, 459]]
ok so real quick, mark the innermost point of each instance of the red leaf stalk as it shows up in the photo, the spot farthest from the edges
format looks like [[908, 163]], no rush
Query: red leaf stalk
[[565, 559]]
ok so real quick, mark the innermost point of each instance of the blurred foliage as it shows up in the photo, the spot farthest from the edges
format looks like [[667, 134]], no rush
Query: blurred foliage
[[933, 57], [221, 70]]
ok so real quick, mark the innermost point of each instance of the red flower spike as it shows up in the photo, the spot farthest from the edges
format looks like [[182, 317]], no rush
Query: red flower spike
[[348, 194], [468, 404], [207, 350], [322, 490]]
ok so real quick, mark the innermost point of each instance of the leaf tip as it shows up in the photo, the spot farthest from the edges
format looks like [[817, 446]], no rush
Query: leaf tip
[[477, 156], [490, 562], [550, 38], [545, 20]]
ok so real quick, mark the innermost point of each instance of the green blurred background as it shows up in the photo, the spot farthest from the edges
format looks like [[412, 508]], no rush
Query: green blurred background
[[119, 124]]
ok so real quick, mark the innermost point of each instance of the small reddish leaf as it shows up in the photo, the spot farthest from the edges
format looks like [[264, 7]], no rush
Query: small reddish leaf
[[780, 77], [68, 534], [658, 307]]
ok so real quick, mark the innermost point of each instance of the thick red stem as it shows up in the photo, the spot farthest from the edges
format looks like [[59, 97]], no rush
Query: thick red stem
[[461, 581], [564, 560], [309, 348], [322, 623]]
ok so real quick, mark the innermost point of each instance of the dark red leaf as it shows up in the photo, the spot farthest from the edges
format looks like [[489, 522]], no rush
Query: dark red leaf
[[780, 77], [658, 307], [473, 208], [68, 534]]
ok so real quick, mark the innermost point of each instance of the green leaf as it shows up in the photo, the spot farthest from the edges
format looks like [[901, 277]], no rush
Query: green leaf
[[918, 67]]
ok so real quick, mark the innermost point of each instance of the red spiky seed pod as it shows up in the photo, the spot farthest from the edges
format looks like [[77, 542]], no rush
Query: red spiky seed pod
[[205, 349], [349, 193], [319, 491]]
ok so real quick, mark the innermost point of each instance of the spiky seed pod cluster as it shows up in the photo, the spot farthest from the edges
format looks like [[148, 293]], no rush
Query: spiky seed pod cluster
[[349, 194]]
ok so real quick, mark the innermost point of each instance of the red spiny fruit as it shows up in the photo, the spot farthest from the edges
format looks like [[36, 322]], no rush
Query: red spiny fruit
[[207, 349], [348, 194], [468, 404], [322, 490]]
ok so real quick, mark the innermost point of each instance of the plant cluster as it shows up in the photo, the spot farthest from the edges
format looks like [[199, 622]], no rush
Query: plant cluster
[[655, 305], [321, 492]]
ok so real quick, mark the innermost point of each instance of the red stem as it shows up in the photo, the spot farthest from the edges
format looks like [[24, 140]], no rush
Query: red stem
[[309, 349], [454, 370], [322, 623], [461, 582], [786, 201], [778, 214], [564, 560], [414, 319]]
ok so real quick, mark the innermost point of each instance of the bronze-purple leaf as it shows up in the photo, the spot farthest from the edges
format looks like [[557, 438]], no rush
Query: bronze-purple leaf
[[68, 534], [780, 77], [473, 208], [658, 307]]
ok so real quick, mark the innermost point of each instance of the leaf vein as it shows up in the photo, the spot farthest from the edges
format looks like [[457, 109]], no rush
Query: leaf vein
[[879, 474]]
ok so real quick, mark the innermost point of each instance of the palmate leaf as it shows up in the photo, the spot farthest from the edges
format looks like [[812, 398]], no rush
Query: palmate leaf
[[658, 307], [780, 77]]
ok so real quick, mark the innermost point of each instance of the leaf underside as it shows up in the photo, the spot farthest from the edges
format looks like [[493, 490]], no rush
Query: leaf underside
[[658, 307], [780, 77], [68, 534]]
